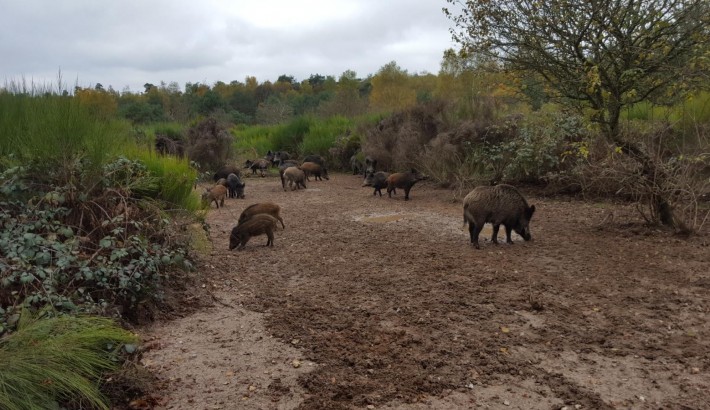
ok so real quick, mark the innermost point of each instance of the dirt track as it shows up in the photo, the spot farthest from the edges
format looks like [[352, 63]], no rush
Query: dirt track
[[384, 304]]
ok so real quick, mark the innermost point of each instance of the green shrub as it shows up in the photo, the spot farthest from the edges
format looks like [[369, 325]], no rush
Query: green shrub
[[253, 141], [88, 249], [50, 130], [175, 179], [322, 135], [288, 137], [54, 361]]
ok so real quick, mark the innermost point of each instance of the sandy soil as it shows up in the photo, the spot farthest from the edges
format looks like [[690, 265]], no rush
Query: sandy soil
[[369, 302]]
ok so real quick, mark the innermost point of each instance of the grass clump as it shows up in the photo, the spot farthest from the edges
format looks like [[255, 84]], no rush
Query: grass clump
[[58, 360]]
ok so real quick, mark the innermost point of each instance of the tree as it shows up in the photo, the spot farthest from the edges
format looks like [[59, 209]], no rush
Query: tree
[[602, 54], [605, 53], [391, 89], [274, 111]]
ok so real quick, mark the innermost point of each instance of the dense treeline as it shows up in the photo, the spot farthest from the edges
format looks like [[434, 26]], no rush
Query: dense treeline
[[265, 103]]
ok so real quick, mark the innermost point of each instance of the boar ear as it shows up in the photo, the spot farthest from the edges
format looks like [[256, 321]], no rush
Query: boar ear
[[531, 211]]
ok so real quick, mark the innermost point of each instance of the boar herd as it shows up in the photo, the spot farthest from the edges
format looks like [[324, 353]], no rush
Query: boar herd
[[498, 205]]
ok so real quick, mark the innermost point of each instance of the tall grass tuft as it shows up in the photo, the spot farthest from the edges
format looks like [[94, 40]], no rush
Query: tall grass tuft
[[322, 135], [57, 360], [252, 141], [51, 130], [288, 137], [175, 178]]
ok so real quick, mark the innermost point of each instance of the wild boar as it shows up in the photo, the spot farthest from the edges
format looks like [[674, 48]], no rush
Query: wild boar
[[217, 194], [280, 156], [377, 180], [225, 171], [260, 165], [283, 164], [404, 180], [268, 208], [318, 171], [500, 204], [270, 156], [256, 225], [235, 186], [315, 158], [295, 175]]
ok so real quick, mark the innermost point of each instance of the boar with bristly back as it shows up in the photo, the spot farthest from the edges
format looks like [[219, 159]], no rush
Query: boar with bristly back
[[318, 171], [283, 164], [280, 156], [260, 165], [235, 186], [225, 171], [315, 158], [256, 225], [403, 180], [295, 177], [499, 205], [377, 180], [268, 208], [217, 194]]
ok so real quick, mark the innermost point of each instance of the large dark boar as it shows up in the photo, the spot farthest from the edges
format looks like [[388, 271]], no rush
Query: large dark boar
[[225, 171], [280, 156], [260, 165], [500, 204], [404, 180], [270, 156], [268, 208], [315, 158], [377, 180], [283, 164], [256, 225], [217, 194], [295, 175], [235, 186], [318, 171]]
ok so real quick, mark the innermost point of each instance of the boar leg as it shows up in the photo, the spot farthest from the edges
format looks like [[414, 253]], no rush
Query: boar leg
[[270, 235], [508, 231], [494, 238], [406, 193], [474, 230]]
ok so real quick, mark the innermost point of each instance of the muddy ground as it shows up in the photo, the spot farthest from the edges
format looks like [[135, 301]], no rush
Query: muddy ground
[[369, 302]]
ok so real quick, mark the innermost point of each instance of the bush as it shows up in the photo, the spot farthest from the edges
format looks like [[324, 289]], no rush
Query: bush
[[209, 144], [397, 141], [84, 249], [56, 361], [322, 135]]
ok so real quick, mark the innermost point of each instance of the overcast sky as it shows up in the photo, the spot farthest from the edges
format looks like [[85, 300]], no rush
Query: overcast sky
[[127, 43]]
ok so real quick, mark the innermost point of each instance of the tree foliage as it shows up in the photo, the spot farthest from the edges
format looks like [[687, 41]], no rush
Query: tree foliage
[[604, 53], [391, 89]]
